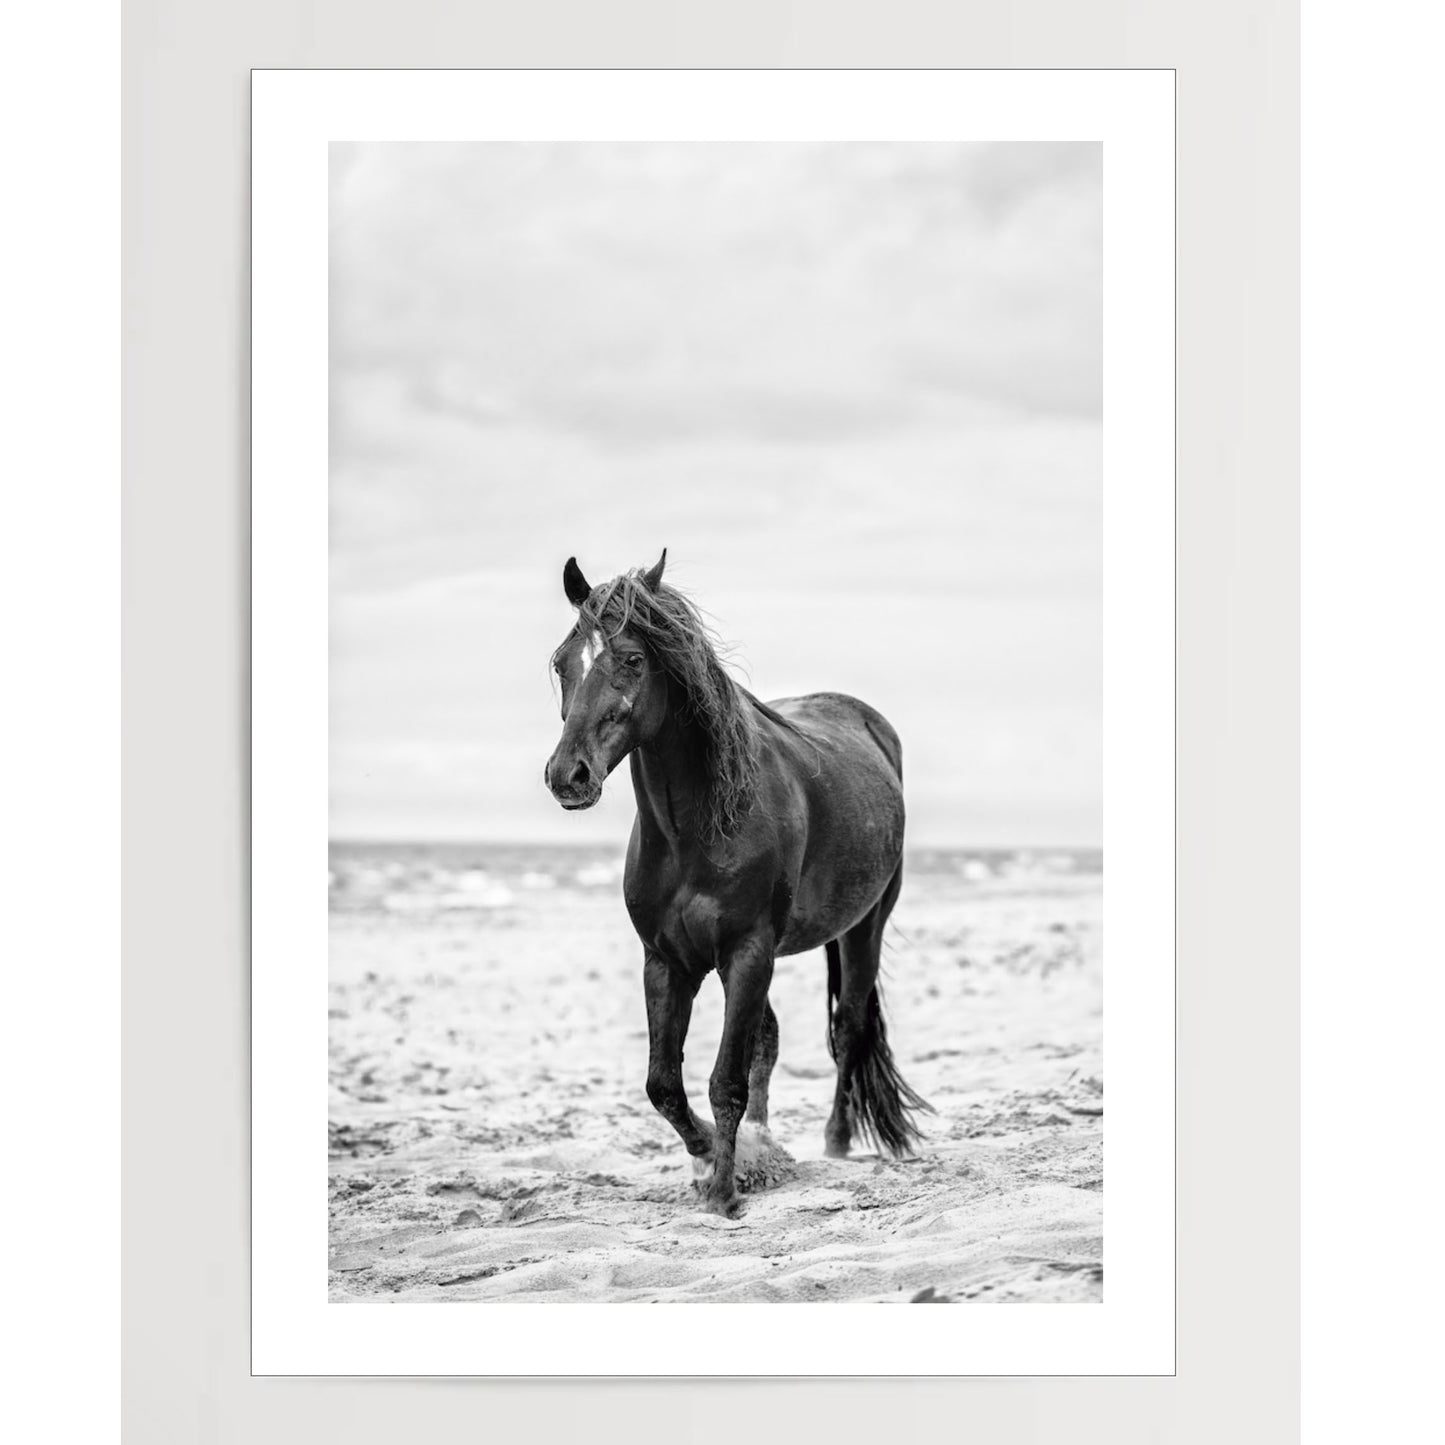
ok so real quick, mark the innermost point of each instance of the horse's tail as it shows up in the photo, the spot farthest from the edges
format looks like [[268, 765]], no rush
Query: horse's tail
[[880, 1102]]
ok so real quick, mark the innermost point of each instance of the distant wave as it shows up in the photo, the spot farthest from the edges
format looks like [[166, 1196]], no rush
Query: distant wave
[[454, 878]]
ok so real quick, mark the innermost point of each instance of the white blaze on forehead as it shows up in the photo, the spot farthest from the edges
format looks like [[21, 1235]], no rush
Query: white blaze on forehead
[[591, 651]]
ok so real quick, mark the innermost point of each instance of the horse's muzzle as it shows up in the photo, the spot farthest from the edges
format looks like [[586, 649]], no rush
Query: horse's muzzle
[[575, 786]]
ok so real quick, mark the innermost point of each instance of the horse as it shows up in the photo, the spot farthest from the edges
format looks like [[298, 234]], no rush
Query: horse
[[763, 829]]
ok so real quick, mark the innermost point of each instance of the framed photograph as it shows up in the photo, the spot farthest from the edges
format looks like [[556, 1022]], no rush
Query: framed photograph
[[713, 544]]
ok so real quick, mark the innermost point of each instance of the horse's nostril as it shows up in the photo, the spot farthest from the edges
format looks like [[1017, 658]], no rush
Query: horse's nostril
[[567, 780]]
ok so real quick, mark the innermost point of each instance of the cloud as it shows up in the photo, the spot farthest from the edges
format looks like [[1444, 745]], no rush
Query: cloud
[[647, 293], [855, 389]]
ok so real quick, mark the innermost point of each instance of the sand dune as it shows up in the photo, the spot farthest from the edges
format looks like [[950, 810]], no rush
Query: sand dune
[[490, 1138]]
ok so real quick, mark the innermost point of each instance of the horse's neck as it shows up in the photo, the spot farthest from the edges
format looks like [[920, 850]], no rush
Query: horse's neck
[[670, 783]]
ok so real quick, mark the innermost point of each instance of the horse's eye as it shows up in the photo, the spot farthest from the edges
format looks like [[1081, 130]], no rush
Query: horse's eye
[[632, 660]]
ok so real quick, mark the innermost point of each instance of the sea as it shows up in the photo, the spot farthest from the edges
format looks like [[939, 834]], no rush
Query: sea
[[432, 879]]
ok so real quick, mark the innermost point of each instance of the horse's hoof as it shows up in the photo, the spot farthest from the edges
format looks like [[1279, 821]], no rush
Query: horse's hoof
[[836, 1148], [726, 1207], [761, 1161]]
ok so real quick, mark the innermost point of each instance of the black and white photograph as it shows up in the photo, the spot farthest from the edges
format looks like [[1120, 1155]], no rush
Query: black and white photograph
[[758, 554], [715, 723]]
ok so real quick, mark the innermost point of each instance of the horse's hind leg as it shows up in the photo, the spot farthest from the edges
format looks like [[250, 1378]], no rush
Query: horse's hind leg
[[765, 1055], [858, 969], [761, 1161], [741, 1156], [869, 1093]]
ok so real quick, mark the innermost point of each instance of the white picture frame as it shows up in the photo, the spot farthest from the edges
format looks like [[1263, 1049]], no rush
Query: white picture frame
[[296, 115]]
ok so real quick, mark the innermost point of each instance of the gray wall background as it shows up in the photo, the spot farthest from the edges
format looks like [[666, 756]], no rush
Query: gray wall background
[[186, 984]]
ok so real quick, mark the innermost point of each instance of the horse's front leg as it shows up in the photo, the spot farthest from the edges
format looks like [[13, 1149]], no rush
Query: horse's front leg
[[745, 978], [670, 993]]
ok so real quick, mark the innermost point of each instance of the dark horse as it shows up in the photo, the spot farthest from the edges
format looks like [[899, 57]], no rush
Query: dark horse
[[763, 829]]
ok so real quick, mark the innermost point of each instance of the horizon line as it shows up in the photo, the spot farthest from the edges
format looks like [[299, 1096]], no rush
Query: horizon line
[[412, 842]]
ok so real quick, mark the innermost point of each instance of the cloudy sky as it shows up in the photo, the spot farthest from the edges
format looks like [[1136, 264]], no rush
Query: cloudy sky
[[854, 389]]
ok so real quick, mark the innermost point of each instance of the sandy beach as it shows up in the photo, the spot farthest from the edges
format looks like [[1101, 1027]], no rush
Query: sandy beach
[[491, 1140]]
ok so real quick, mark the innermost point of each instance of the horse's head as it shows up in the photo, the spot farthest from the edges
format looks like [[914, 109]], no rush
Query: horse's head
[[614, 691]]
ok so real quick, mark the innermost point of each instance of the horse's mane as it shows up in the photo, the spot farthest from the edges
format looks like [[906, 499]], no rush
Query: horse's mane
[[720, 711]]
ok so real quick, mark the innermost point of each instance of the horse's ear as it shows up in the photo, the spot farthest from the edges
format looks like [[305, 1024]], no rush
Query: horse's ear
[[574, 584], [653, 576]]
